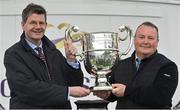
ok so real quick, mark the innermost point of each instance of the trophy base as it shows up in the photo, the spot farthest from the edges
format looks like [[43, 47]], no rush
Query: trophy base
[[102, 88], [92, 104], [103, 85]]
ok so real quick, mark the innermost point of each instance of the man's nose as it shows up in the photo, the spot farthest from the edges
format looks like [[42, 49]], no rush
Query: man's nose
[[146, 40], [38, 25]]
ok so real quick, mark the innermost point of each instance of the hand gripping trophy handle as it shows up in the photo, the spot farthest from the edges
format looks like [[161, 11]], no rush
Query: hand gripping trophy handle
[[69, 30], [70, 35]]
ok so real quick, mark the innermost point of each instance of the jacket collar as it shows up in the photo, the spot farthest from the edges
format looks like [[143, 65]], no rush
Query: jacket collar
[[145, 59]]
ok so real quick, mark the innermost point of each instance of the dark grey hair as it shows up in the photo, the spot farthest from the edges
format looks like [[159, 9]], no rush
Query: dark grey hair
[[33, 8]]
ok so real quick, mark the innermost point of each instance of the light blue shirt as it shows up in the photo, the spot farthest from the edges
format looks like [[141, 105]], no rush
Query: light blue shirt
[[138, 61], [33, 46]]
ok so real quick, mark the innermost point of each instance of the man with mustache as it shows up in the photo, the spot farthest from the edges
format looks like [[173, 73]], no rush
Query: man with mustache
[[147, 79], [39, 76]]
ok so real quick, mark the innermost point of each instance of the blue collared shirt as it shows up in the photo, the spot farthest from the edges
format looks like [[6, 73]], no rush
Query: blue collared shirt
[[33, 46], [138, 61]]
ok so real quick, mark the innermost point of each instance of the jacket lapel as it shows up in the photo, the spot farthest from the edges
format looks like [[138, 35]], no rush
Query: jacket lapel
[[33, 60]]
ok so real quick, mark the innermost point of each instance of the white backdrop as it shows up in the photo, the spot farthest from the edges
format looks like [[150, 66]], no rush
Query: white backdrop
[[90, 16]]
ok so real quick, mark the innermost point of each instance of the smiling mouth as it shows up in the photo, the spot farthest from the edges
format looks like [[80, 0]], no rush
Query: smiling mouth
[[37, 32], [146, 46]]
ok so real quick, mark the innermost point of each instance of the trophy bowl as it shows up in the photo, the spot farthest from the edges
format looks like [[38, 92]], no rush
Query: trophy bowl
[[100, 55], [100, 52]]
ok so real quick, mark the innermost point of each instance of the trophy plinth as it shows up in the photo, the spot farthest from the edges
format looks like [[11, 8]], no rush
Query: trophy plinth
[[92, 104]]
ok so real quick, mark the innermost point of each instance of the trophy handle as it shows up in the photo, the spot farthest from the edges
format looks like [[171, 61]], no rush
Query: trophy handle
[[70, 35], [69, 31], [129, 35]]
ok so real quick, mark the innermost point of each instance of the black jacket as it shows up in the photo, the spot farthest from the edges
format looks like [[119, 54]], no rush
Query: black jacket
[[28, 79], [152, 86]]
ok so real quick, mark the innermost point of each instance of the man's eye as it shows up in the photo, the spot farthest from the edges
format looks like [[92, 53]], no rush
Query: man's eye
[[141, 37], [41, 23], [151, 38], [33, 23]]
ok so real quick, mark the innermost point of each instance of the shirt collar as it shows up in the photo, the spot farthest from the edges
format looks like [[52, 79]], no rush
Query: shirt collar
[[136, 57], [33, 46], [148, 58]]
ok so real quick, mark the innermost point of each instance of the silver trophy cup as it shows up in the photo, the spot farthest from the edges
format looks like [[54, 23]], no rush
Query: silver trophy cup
[[100, 52]]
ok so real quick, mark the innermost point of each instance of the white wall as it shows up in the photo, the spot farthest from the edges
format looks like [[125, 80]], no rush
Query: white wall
[[95, 15]]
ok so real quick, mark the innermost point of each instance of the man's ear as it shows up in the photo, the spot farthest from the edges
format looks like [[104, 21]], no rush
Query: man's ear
[[46, 24], [22, 24]]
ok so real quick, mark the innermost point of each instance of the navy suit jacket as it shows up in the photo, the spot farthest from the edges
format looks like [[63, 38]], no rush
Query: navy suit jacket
[[28, 80]]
